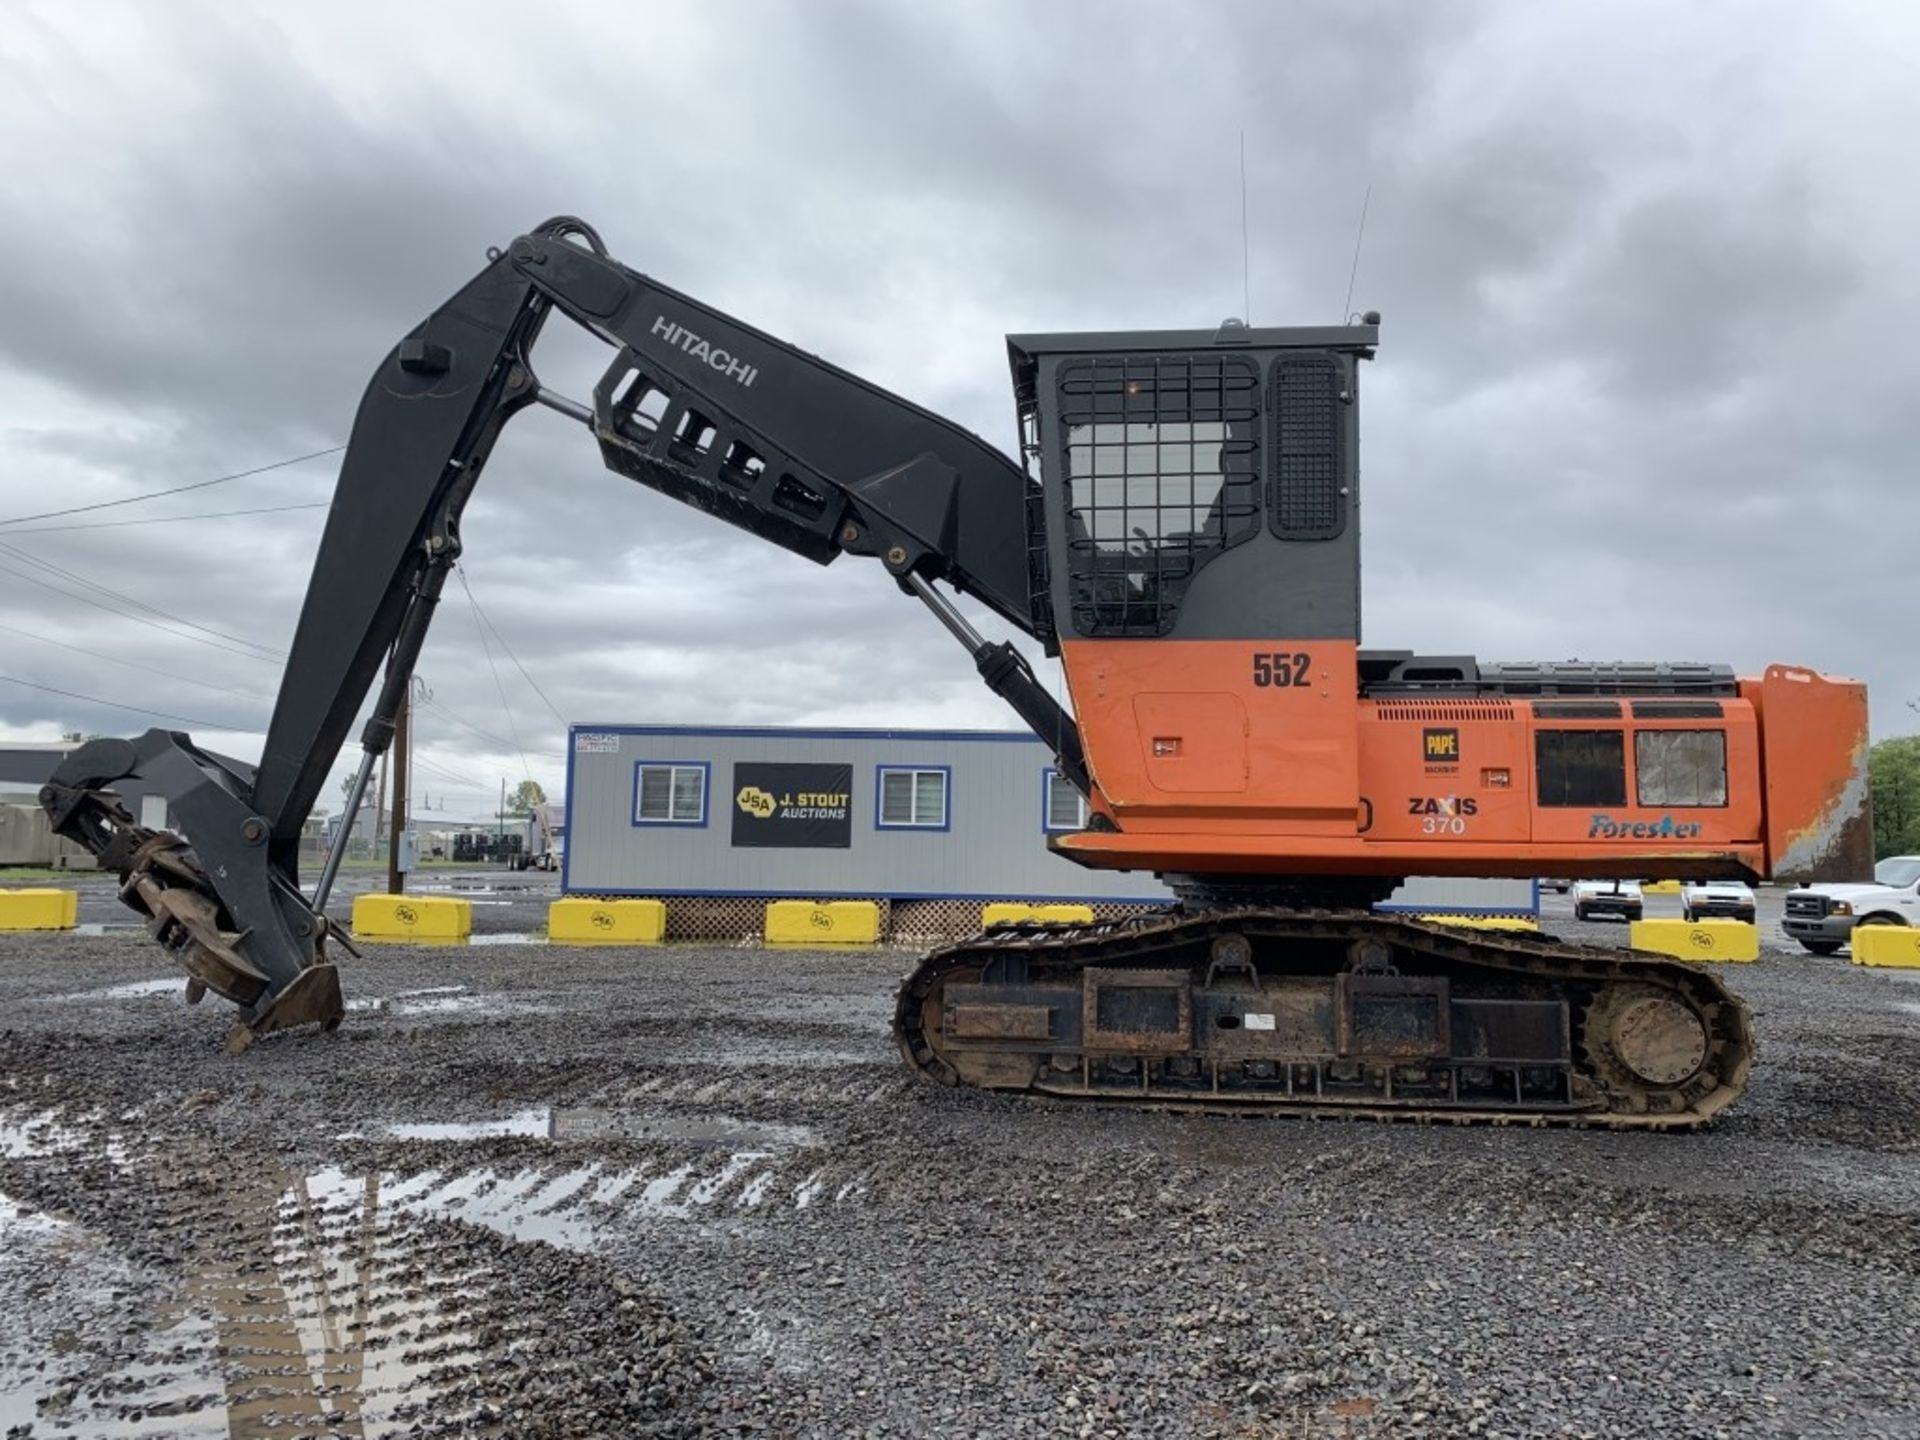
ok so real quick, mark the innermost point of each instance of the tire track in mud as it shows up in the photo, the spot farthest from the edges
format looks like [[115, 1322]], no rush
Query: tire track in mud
[[263, 1300]]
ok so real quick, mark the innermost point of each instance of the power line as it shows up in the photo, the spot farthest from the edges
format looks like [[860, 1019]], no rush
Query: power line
[[175, 490], [136, 709], [445, 773], [124, 615], [169, 519], [487, 650], [443, 713], [509, 649], [131, 664], [17, 553]]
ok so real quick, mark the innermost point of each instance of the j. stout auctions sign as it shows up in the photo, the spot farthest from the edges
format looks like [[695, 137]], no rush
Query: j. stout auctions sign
[[793, 806]]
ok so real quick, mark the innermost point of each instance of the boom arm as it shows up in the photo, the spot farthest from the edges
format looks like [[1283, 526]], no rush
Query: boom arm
[[695, 405]]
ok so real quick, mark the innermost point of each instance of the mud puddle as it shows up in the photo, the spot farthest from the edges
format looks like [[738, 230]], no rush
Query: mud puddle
[[553, 1123], [529, 1205], [525, 1122], [340, 1325], [27, 1237], [324, 1306], [447, 1000], [746, 1051], [18, 1222], [37, 1137], [704, 1164], [133, 990], [702, 1130]]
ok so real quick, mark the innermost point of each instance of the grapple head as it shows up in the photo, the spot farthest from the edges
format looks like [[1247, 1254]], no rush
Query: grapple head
[[226, 907]]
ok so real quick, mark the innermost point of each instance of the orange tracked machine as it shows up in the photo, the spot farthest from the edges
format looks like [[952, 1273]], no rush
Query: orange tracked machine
[[1183, 532]]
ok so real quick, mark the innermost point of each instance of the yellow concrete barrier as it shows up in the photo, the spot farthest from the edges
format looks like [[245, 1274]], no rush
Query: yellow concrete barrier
[[829, 922], [1484, 922], [1014, 912], [47, 909], [578, 920], [1892, 947], [1702, 940], [425, 918], [1660, 887]]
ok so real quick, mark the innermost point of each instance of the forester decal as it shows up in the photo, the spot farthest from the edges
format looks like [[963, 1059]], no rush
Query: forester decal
[[1610, 827]]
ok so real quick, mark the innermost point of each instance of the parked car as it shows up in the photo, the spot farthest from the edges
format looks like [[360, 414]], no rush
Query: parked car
[[1822, 917], [1607, 897], [1716, 899]]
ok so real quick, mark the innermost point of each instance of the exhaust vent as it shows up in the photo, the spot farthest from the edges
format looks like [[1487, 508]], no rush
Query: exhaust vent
[[1430, 711]]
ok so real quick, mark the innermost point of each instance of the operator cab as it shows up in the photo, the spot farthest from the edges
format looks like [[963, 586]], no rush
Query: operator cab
[[1195, 484]]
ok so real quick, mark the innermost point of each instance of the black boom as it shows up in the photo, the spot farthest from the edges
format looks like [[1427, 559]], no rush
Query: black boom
[[695, 405]]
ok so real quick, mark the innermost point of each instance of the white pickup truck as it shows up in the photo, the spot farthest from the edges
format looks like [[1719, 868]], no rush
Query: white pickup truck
[[1716, 899], [1608, 897], [1822, 917]]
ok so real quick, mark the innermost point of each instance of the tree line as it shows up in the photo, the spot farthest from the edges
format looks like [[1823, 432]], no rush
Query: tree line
[[1894, 767]]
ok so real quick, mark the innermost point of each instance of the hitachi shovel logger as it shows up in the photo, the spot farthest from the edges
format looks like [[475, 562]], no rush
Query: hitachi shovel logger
[[1182, 531]]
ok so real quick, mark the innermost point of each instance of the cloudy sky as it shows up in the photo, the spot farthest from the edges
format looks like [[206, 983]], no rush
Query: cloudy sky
[[1647, 386]]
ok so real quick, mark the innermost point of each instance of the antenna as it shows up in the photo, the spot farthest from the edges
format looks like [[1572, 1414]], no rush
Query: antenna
[[1246, 288], [1354, 273]]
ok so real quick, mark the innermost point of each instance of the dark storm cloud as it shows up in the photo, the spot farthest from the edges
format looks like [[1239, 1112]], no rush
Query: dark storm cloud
[[1644, 388]]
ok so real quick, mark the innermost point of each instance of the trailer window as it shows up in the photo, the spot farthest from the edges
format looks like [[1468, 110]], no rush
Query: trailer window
[[1680, 767], [1580, 767], [1162, 473], [913, 799], [665, 793], [1066, 807]]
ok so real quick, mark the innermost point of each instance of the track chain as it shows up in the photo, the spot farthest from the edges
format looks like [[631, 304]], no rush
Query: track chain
[[1628, 1104]]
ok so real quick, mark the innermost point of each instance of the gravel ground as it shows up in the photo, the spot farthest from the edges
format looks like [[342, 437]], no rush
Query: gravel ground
[[541, 1192]]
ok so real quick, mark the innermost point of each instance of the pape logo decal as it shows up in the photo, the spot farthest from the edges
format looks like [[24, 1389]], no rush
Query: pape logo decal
[[1440, 746], [700, 350]]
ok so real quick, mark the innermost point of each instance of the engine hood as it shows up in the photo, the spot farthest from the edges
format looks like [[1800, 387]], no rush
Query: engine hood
[[1848, 893]]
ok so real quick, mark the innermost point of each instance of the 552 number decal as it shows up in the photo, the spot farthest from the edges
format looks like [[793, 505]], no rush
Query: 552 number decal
[[1281, 669]]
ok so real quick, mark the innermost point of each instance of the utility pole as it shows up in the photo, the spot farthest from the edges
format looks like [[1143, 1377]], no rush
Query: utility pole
[[502, 817], [380, 801], [396, 880]]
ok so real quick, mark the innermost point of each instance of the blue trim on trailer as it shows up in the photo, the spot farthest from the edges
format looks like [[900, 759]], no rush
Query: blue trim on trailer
[[665, 894], [790, 732], [879, 797], [566, 851], [634, 822]]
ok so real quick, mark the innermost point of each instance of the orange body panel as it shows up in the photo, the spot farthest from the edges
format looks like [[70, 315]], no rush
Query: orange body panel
[[1819, 824], [1205, 761], [1180, 735]]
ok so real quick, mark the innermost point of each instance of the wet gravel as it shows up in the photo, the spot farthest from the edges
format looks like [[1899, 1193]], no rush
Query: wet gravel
[[700, 1196]]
